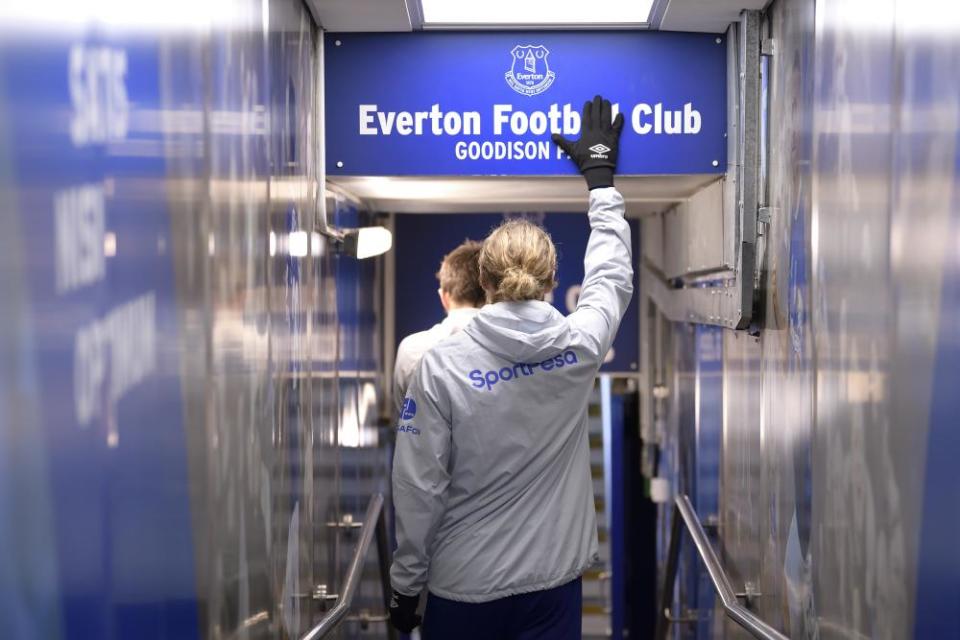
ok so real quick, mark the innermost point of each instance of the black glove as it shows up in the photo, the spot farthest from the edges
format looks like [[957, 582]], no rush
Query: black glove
[[403, 612], [596, 151]]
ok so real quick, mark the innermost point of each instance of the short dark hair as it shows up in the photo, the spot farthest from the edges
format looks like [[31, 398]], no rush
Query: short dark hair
[[459, 274]]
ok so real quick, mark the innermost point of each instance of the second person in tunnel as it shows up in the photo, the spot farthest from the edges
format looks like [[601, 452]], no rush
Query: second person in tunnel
[[461, 297], [492, 487]]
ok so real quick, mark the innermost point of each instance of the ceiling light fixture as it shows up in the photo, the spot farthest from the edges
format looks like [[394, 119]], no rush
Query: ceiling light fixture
[[365, 242], [537, 13]]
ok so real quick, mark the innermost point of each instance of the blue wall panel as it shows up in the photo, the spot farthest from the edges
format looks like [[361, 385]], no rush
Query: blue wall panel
[[102, 308], [836, 500], [938, 580], [170, 407], [709, 437]]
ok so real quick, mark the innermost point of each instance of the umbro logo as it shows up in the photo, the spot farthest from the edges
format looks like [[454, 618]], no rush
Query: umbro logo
[[599, 148]]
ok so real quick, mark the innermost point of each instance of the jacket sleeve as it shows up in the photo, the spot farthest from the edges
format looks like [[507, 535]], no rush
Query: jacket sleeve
[[608, 273], [420, 476]]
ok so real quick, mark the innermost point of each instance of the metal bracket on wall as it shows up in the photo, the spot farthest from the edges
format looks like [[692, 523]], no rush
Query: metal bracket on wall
[[728, 300], [764, 215], [718, 305], [689, 616]]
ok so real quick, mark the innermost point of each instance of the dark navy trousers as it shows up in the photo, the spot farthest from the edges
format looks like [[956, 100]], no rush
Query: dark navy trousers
[[554, 614]]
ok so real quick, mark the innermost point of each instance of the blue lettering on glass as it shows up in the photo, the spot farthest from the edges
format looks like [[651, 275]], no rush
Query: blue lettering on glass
[[480, 379], [409, 409]]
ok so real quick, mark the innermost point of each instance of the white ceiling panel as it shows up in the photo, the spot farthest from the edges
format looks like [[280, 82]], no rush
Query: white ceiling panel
[[709, 16], [361, 15], [643, 194]]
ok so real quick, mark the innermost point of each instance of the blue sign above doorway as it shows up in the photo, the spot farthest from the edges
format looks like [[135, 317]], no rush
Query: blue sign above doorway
[[486, 103]]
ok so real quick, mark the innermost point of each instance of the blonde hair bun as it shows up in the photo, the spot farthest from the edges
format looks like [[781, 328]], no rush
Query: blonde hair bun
[[518, 262], [517, 284]]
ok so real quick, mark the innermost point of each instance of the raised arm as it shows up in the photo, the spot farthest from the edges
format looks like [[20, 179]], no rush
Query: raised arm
[[608, 272], [608, 263]]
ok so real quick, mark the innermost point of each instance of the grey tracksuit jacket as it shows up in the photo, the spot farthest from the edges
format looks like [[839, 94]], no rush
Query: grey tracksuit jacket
[[491, 478], [413, 347]]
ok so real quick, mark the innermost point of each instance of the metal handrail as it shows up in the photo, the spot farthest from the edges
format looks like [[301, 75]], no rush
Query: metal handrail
[[684, 513], [373, 522]]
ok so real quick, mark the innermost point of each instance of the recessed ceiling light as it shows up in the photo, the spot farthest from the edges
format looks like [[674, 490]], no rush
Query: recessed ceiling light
[[535, 12]]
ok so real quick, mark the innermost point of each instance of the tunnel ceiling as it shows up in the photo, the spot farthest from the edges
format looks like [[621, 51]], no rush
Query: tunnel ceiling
[[644, 194], [710, 16]]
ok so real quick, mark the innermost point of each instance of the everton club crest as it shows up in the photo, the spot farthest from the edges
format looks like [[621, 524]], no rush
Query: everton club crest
[[529, 74]]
